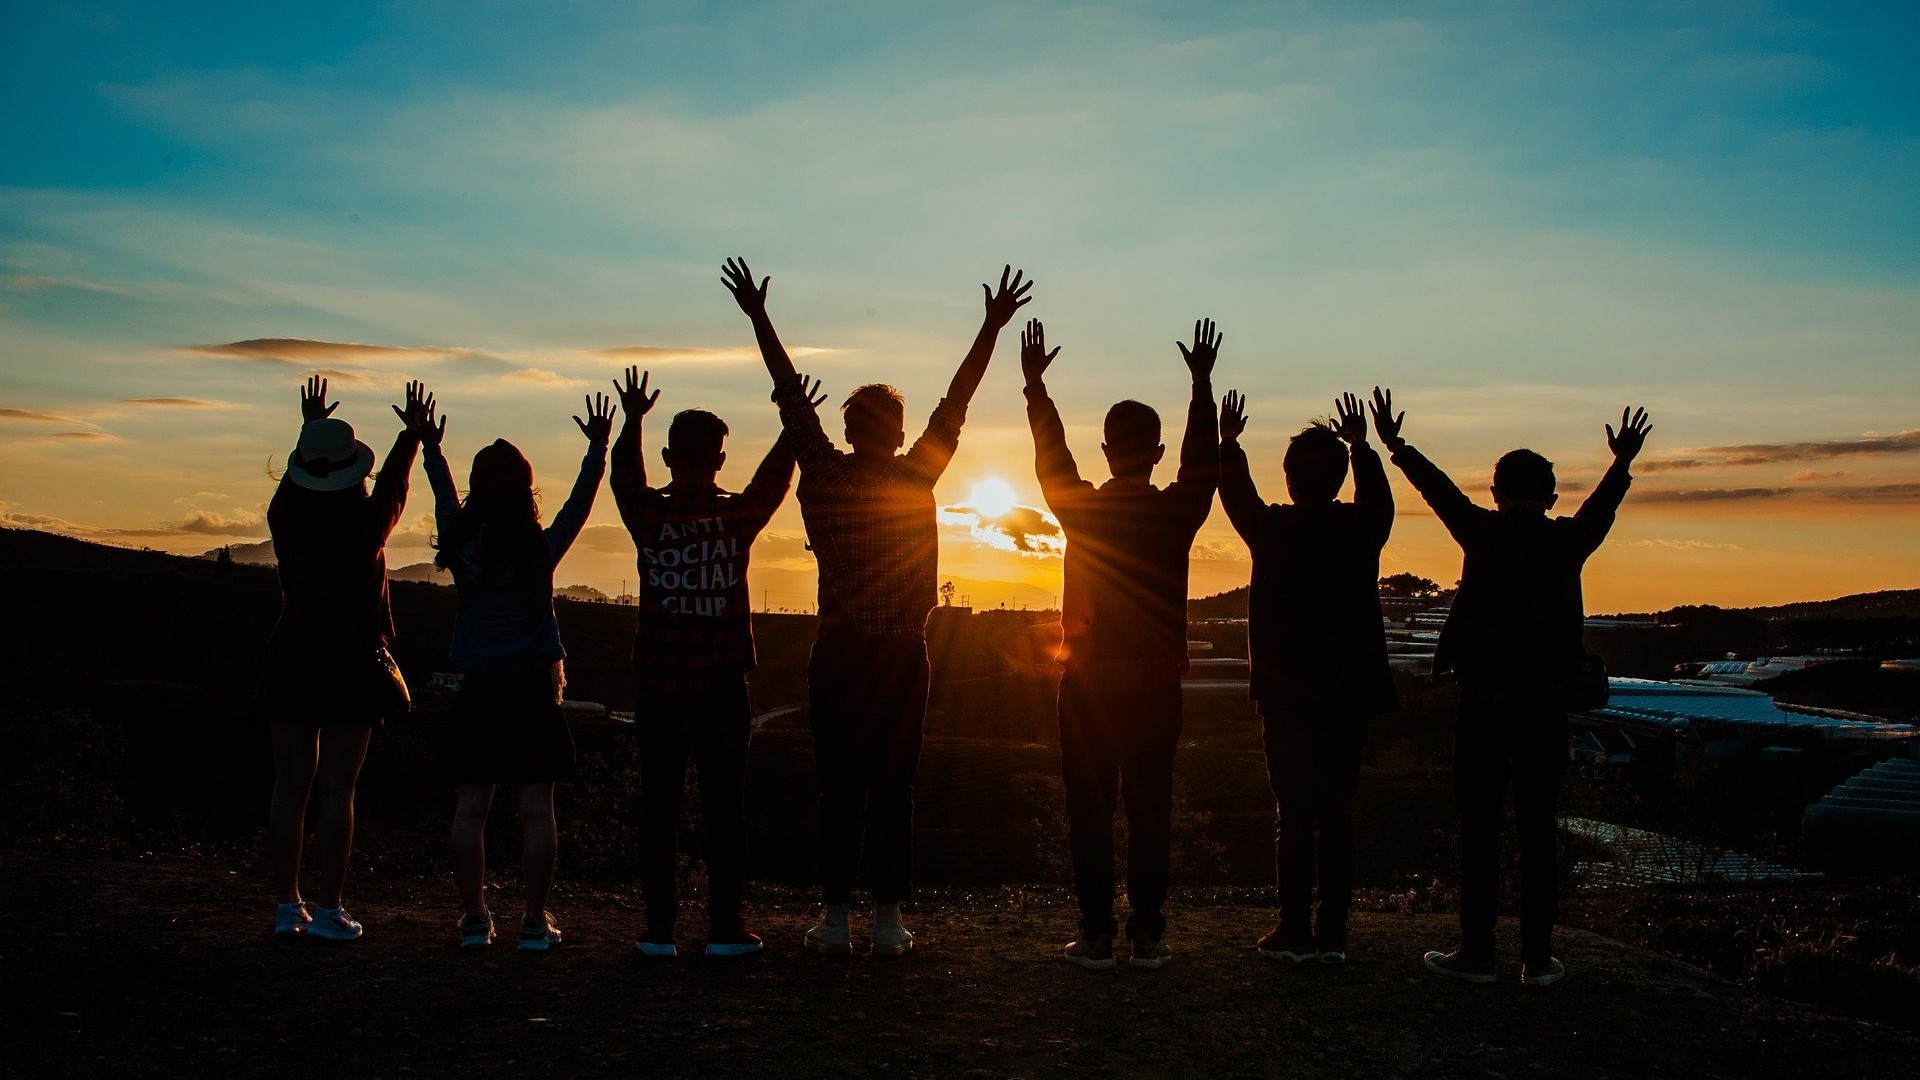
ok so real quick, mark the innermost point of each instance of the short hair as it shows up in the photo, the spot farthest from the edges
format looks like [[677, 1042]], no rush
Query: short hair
[[875, 408], [697, 432], [1523, 474], [1132, 428], [1315, 463]]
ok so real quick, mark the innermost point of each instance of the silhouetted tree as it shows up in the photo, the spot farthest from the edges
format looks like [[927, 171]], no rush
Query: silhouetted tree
[[1409, 585]]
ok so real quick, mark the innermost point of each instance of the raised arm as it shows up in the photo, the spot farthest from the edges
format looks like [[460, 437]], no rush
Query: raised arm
[[1238, 495], [1060, 480], [1200, 448], [763, 494], [1597, 512], [389, 499], [446, 499], [752, 299], [573, 515], [629, 480], [1001, 306], [1371, 493], [1443, 496]]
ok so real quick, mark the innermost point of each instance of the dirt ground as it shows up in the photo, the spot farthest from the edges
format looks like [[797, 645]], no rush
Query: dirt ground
[[160, 966]]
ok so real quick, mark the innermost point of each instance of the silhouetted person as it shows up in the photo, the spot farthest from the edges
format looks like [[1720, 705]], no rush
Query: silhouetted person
[[691, 654], [870, 519], [1124, 616], [507, 726], [1317, 654], [330, 680], [1513, 638]]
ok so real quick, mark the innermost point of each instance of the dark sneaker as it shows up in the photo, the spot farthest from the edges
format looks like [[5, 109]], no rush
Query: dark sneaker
[[290, 920], [736, 943], [539, 934], [656, 943], [1543, 974], [1276, 947], [1332, 956], [476, 931], [1455, 966], [333, 924], [1093, 952], [1149, 953]]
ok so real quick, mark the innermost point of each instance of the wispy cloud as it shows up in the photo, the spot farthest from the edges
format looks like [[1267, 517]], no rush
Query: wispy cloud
[[173, 403], [660, 354], [1900, 492], [1687, 545], [541, 377], [36, 415], [309, 351], [30, 283], [1905, 442]]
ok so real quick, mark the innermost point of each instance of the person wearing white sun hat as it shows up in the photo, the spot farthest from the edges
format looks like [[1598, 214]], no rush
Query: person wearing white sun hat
[[330, 680]]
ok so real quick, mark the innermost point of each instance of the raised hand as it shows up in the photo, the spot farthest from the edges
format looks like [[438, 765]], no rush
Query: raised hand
[[633, 396], [313, 400], [1206, 349], [739, 281], [1632, 435], [1384, 422], [599, 422], [1350, 420], [1011, 297], [418, 412], [810, 388], [1233, 416], [1034, 356]]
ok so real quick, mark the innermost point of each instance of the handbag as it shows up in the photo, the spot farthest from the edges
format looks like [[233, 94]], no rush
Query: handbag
[[389, 691], [1583, 688]]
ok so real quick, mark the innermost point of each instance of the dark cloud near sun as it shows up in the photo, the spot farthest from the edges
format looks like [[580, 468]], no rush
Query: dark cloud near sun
[[1032, 531]]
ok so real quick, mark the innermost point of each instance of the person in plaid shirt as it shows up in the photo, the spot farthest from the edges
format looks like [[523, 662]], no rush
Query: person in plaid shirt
[[692, 652], [870, 519]]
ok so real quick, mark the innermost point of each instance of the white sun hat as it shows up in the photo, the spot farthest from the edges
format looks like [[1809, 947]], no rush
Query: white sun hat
[[328, 457]]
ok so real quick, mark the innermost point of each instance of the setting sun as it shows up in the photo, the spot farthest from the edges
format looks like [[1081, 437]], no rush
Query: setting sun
[[992, 497]]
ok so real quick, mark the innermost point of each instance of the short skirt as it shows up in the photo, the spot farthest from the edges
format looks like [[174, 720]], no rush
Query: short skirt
[[358, 688], [507, 728]]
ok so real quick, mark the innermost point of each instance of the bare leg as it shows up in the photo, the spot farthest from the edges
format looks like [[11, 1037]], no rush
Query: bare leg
[[296, 754], [342, 751], [539, 845], [471, 803]]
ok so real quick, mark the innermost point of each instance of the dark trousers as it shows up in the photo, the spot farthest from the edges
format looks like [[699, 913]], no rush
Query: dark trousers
[[1313, 763], [1508, 737], [713, 729], [867, 694], [1116, 748]]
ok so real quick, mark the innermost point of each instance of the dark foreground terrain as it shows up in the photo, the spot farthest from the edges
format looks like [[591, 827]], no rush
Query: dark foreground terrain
[[159, 966]]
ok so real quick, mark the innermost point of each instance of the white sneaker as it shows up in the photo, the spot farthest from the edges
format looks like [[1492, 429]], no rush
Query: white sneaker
[[829, 938], [539, 935], [290, 920], [891, 939], [333, 924]]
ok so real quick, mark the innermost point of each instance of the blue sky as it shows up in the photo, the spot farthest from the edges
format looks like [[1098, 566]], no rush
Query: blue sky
[[1520, 216]]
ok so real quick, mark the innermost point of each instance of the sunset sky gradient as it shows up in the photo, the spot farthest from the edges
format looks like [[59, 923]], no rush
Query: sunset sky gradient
[[1518, 218]]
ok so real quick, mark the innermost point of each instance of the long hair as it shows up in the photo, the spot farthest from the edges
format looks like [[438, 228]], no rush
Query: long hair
[[501, 515]]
